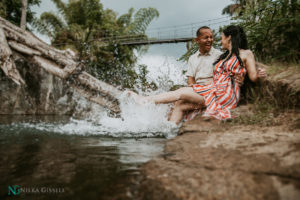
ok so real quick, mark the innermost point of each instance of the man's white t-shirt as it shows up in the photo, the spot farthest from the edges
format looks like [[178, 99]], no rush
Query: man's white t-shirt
[[201, 66]]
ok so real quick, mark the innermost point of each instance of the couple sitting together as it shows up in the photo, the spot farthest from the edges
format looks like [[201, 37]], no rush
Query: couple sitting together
[[214, 78]]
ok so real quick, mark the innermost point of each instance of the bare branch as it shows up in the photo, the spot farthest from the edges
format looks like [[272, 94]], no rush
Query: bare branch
[[7, 63], [24, 14]]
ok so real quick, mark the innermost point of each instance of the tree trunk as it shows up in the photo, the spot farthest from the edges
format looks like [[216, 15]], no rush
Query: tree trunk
[[6, 60], [24, 14], [60, 63]]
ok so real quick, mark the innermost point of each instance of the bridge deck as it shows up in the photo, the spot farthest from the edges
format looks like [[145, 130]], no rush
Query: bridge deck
[[161, 41]]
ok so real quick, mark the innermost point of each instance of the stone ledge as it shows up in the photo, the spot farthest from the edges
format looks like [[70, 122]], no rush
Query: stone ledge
[[242, 162]]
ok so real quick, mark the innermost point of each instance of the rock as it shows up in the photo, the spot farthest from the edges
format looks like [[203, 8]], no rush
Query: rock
[[240, 162], [43, 94]]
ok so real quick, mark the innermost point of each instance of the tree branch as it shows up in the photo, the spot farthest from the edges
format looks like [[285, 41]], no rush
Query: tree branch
[[60, 63], [7, 63]]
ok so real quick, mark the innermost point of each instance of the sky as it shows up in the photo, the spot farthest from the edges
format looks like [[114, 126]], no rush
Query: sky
[[172, 13]]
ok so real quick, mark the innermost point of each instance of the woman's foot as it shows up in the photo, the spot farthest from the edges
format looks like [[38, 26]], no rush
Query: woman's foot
[[137, 98]]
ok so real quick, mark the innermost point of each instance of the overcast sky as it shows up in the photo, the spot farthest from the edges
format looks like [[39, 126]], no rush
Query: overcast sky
[[172, 13]]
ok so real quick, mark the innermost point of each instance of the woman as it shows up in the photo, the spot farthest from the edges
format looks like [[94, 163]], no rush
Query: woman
[[224, 93]]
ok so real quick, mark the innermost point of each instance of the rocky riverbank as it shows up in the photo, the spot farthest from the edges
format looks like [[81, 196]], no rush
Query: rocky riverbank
[[213, 160]]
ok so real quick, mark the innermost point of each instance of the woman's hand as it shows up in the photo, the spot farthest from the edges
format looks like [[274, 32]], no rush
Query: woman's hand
[[239, 79], [261, 73], [249, 61]]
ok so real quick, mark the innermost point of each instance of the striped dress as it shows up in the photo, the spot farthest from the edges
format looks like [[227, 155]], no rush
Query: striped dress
[[223, 94]]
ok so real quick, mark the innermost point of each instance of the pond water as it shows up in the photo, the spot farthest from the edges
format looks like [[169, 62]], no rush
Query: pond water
[[51, 165]]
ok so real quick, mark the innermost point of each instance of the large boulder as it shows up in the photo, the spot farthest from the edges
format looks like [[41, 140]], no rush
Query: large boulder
[[218, 161]]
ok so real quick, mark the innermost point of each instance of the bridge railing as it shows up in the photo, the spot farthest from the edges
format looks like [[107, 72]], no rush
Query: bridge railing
[[167, 34]]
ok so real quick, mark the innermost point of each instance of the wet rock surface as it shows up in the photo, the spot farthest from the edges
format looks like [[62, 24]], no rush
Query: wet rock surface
[[43, 93], [213, 160]]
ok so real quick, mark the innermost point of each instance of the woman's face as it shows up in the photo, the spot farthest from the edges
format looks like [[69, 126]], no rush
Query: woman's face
[[225, 41]]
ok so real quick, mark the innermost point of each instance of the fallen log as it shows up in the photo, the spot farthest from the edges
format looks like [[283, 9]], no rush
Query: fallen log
[[23, 49], [6, 61], [111, 105], [50, 67], [60, 63]]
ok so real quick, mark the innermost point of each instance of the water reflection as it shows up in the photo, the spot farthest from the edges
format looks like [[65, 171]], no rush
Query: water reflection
[[85, 167]]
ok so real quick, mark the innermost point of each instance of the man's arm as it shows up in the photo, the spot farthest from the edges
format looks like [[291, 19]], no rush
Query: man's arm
[[191, 73], [191, 80]]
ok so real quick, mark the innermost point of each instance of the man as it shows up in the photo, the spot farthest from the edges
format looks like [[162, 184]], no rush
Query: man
[[200, 64], [200, 71]]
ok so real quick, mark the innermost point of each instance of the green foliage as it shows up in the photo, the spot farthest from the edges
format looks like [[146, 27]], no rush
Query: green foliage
[[142, 82], [272, 27], [11, 10], [48, 24], [236, 8], [192, 48], [95, 35], [2, 9], [142, 19]]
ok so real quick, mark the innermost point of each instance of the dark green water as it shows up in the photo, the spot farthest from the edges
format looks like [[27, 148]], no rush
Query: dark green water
[[38, 164]]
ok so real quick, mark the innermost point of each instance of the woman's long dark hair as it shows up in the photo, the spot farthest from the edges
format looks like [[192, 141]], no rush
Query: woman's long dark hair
[[238, 41]]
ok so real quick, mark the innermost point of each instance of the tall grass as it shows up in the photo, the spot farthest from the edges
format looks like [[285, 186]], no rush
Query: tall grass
[[269, 99]]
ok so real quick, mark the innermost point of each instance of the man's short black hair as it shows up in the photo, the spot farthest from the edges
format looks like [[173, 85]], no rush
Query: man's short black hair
[[199, 30]]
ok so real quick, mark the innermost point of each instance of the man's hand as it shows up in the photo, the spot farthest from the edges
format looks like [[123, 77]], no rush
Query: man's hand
[[261, 73], [239, 79], [191, 81]]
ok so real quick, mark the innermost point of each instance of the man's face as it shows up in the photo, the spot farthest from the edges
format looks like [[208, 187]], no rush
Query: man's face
[[205, 40]]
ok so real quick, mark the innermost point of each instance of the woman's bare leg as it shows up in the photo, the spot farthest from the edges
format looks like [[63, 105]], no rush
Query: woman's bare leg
[[185, 93], [179, 108]]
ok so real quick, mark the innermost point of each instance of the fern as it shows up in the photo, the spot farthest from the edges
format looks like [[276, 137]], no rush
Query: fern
[[126, 19], [142, 19], [48, 24], [61, 6]]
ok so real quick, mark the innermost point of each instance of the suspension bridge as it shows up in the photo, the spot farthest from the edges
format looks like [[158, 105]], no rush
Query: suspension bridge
[[168, 34]]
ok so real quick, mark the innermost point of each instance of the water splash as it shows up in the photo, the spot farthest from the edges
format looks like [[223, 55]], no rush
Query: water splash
[[164, 71], [148, 120], [136, 120]]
